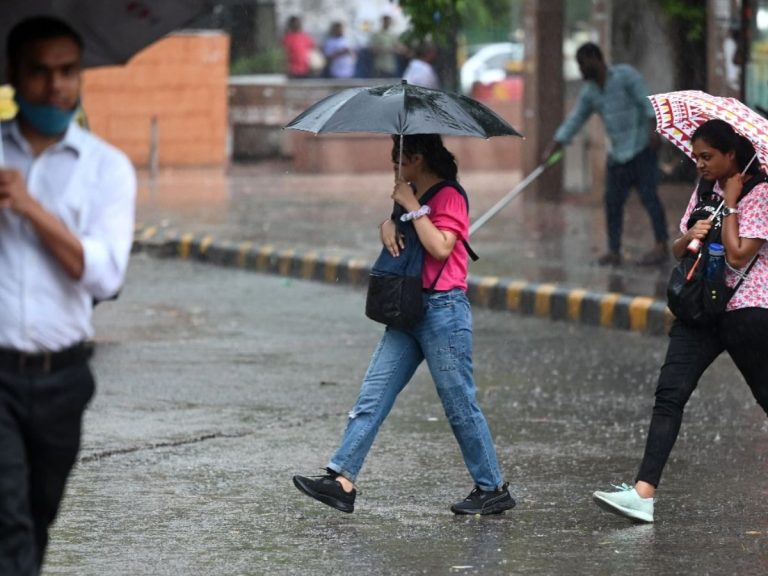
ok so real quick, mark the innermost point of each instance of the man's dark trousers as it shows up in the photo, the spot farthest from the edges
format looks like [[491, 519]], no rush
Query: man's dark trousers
[[641, 173], [40, 427]]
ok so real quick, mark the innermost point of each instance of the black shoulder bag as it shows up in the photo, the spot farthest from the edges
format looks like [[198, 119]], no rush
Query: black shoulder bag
[[693, 298], [395, 292]]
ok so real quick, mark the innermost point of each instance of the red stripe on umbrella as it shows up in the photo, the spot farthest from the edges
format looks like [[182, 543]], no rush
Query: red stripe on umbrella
[[678, 114]]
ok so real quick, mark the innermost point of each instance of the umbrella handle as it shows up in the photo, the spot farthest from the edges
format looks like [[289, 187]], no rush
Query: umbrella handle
[[748, 165]]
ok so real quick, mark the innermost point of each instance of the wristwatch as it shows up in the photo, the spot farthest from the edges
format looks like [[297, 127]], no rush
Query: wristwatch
[[728, 211]]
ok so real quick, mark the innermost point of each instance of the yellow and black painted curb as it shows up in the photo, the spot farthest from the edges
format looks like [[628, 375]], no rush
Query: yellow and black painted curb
[[608, 310]]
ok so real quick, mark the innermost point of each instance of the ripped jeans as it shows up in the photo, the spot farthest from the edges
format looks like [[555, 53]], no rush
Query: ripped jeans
[[444, 339]]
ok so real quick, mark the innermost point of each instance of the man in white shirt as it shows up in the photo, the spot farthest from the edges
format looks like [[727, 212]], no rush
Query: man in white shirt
[[420, 71], [339, 52], [66, 227]]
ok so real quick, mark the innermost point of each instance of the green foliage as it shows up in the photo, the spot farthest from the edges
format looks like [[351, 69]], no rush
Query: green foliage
[[489, 14], [439, 18], [435, 19], [691, 15], [270, 61]]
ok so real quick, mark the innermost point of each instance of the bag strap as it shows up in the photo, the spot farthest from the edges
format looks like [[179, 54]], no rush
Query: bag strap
[[398, 210], [426, 197], [754, 181], [704, 188], [758, 178], [743, 275], [707, 187], [434, 282], [429, 194]]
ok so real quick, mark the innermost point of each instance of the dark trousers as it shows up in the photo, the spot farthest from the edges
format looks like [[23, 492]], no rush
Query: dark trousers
[[743, 334], [639, 172], [40, 425]]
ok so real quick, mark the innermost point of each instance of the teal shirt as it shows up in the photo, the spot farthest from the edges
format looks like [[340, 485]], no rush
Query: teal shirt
[[624, 107]]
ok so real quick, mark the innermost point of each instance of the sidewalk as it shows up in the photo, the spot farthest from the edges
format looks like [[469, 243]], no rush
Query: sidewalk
[[536, 256]]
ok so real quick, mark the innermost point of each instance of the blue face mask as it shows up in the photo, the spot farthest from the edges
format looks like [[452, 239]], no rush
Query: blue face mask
[[44, 118]]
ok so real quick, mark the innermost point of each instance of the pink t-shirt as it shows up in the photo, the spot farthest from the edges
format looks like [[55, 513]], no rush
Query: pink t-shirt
[[753, 223], [449, 213], [297, 47]]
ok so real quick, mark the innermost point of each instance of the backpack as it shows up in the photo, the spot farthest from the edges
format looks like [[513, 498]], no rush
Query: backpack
[[395, 295], [691, 296]]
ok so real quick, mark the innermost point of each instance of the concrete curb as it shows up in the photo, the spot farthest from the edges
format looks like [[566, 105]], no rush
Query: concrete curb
[[605, 309]]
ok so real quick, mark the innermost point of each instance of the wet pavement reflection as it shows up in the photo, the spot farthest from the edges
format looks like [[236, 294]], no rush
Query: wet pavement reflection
[[532, 239], [216, 385]]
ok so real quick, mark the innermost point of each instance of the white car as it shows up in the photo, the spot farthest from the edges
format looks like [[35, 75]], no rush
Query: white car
[[492, 63]]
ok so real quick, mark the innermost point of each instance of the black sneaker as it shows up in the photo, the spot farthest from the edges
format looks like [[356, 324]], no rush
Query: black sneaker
[[327, 490], [612, 259], [482, 502]]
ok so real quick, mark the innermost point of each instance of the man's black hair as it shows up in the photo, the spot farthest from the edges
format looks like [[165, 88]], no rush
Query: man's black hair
[[589, 50], [34, 29]]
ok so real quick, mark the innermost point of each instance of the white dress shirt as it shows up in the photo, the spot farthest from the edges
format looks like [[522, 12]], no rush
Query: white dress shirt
[[91, 187], [421, 73]]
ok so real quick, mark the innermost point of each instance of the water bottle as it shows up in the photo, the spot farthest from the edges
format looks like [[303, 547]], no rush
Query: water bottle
[[716, 262]]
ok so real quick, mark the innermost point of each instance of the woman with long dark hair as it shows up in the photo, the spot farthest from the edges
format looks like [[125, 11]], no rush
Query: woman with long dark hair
[[443, 337], [724, 157]]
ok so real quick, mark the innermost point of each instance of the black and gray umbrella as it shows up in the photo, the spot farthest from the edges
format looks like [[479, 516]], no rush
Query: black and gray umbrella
[[112, 30], [402, 109]]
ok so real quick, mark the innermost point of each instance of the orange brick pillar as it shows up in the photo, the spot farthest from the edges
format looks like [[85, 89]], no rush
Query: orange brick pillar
[[181, 81]]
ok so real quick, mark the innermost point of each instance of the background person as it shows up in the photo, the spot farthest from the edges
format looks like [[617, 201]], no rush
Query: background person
[[339, 53], [66, 228], [619, 95], [443, 338], [742, 330], [420, 70], [385, 46], [298, 47]]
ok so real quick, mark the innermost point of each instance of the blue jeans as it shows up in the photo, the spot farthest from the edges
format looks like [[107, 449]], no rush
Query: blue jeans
[[444, 339], [639, 172]]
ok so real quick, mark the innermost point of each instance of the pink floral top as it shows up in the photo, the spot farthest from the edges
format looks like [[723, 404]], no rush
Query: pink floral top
[[753, 223]]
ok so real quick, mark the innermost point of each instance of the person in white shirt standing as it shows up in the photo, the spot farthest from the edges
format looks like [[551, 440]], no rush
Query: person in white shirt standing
[[66, 228], [420, 71], [340, 53]]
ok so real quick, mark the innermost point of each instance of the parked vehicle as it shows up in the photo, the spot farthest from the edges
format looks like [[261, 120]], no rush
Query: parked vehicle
[[491, 63]]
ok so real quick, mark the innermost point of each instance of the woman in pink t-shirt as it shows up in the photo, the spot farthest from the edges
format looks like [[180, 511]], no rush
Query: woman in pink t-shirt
[[742, 331], [443, 338]]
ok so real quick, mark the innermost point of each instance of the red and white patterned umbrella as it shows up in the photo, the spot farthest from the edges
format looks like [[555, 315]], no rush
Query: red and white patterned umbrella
[[678, 114]]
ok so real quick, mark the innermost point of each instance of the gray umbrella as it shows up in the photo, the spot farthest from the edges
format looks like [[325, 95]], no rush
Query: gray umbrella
[[112, 30], [402, 109]]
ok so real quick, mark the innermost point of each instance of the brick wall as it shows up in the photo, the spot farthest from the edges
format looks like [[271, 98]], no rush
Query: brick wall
[[180, 80]]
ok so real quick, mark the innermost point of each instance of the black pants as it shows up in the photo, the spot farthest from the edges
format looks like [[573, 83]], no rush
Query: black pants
[[743, 334], [639, 172], [40, 425]]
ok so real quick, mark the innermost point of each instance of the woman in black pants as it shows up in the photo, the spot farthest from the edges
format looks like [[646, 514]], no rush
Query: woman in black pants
[[721, 156]]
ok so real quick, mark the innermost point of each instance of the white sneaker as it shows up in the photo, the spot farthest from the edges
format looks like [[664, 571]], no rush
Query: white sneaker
[[625, 502]]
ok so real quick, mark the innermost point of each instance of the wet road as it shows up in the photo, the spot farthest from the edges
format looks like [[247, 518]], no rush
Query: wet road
[[532, 238], [217, 385]]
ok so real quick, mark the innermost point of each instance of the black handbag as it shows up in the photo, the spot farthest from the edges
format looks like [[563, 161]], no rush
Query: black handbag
[[691, 297], [394, 286], [395, 294]]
